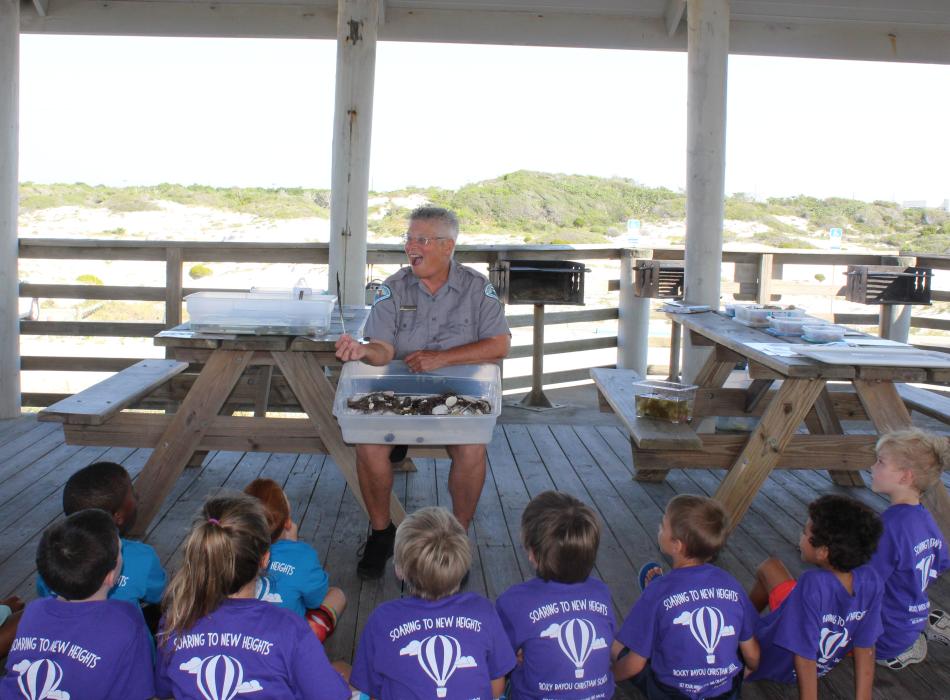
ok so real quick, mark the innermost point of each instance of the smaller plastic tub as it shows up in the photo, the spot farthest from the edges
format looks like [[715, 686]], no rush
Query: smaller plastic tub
[[788, 313], [823, 333], [668, 401], [787, 326], [260, 312], [755, 316]]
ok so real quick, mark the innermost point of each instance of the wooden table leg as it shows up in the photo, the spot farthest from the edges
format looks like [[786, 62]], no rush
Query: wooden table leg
[[188, 426], [779, 422], [822, 420], [305, 377], [887, 411]]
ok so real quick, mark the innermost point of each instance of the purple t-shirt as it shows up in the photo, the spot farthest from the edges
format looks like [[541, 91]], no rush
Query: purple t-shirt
[[688, 623], [247, 646], [564, 631], [819, 621], [95, 650], [428, 649], [910, 555]]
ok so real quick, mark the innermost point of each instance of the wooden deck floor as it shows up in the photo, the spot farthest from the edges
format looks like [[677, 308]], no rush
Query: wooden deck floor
[[592, 462]]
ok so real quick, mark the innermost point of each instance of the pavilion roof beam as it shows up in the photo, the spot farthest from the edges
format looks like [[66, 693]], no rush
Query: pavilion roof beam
[[41, 6], [673, 15]]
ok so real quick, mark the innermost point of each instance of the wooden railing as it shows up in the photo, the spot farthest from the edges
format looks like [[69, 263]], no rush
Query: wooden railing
[[758, 276]]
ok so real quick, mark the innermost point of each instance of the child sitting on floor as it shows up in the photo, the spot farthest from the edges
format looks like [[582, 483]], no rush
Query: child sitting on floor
[[829, 611], [295, 579], [216, 639], [437, 642], [79, 644], [912, 552], [107, 486], [685, 633], [560, 622]]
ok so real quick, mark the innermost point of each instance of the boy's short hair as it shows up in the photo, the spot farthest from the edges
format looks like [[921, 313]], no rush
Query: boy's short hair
[[101, 485], [700, 523], [75, 555], [432, 553], [563, 534], [849, 529], [925, 454], [276, 507]]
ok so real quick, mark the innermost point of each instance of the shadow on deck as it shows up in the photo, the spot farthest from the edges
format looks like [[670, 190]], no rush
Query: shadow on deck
[[575, 450]]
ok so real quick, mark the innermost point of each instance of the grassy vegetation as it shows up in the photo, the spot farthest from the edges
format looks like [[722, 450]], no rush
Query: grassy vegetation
[[543, 208]]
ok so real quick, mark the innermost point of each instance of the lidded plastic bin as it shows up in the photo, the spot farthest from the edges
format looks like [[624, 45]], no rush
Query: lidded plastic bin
[[668, 401], [261, 312], [823, 333], [753, 315], [787, 326], [479, 382]]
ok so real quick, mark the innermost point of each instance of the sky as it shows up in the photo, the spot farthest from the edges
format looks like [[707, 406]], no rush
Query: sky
[[242, 112]]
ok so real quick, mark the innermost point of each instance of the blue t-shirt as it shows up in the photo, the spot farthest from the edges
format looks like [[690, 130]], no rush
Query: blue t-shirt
[[414, 649], [564, 631], [688, 623], [142, 579], [247, 648], [93, 650], [910, 555], [295, 580], [819, 621]]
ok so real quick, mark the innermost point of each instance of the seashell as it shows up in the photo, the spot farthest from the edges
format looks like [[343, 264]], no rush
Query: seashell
[[440, 410], [451, 401]]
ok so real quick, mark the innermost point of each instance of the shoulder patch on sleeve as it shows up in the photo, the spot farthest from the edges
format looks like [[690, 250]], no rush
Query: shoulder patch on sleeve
[[491, 293], [383, 292]]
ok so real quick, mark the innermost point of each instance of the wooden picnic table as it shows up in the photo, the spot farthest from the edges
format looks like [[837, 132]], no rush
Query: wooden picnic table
[[198, 423], [803, 396]]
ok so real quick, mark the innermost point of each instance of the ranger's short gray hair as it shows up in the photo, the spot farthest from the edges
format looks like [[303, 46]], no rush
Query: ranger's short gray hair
[[446, 216]]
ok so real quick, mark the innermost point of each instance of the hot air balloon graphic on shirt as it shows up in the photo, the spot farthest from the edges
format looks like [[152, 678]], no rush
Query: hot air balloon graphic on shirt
[[219, 677], [926, 568], [40, 679], [830, 641], [264, 590], [439, 656], [708, 626], [577, 638]]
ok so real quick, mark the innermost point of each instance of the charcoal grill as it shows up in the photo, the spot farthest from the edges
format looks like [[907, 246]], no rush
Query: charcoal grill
[[538, 282]]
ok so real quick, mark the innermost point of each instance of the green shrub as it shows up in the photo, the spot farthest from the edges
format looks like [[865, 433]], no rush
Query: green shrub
[[199, 270], [89, 279]]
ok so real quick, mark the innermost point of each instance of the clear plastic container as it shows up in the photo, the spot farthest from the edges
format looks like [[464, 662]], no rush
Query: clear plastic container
[[272, 312], [464, 381], [668, 401], [823, 332], [752, 315], [787, 313], [787, 326]]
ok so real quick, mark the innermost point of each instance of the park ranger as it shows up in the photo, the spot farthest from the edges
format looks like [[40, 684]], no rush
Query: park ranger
[[434, 313]]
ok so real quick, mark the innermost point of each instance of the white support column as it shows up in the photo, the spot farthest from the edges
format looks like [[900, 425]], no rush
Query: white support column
[[9, 202], [633, 326], [357, 25], [708, 57]]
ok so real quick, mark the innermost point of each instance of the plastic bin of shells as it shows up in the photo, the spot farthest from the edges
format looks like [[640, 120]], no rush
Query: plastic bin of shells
[[451, 406], [668, 401]]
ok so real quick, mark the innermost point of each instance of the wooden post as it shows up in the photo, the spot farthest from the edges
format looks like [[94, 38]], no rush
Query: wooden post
[[763, 294], [173, 291], [708, 55], [357, 25], [633, 325], [9, 144]]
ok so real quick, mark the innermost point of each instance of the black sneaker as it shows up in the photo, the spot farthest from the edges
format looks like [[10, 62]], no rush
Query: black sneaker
[[374, 553], [398, 453]]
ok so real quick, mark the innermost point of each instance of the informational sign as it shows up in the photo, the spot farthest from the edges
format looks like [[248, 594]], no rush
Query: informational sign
[[835, 234], [633, 231]]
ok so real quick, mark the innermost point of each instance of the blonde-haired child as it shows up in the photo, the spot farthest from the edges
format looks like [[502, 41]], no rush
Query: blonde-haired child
[[912, 552], [217, 637], [437, 642], [295, 579]]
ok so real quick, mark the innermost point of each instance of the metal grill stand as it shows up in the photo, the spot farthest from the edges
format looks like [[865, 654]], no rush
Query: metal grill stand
[[536, 400]]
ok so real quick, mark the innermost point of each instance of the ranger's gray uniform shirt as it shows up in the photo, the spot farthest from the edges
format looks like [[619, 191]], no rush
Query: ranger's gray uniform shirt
[[464, 310]]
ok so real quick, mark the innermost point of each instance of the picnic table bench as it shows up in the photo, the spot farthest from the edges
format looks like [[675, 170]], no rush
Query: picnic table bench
[[784, 391]]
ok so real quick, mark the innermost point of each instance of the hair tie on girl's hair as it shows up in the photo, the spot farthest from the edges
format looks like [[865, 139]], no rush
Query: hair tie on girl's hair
[[214, 521]]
